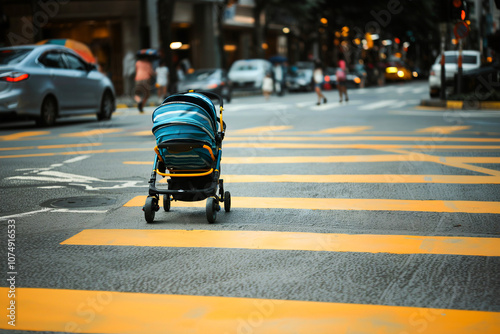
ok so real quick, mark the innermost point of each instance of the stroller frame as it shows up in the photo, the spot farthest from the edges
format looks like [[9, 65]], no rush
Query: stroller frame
[[189, 185]]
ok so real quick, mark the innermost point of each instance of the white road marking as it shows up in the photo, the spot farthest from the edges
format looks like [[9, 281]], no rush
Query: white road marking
[[25, 214], [377, 105], [76, 159], [51, 187], [77, 211], [125, 184], [50, 210], [447, 113]]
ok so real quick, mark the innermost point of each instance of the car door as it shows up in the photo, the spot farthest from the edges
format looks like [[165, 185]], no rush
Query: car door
[[84, 87], [58, 79]]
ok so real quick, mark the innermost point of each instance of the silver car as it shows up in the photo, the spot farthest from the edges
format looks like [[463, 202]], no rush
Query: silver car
[[249, 73], [44, 82], [471, 60]]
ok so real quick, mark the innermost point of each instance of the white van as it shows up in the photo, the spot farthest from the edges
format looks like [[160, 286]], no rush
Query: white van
[[471, 60], [249, 73]]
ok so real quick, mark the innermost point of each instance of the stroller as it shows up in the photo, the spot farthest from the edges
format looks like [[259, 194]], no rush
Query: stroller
[[189, 141]]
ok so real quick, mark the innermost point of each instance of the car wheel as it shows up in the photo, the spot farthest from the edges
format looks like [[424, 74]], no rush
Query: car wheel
[[48, 112], [106, 107], [229, 95]]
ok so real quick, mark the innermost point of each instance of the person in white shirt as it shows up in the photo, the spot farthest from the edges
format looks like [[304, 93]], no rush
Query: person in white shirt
[[318, 81], [162, 81]]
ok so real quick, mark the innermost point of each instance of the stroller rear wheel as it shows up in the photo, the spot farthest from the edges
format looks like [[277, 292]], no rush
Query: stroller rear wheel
[[211, 210], [149, 208]]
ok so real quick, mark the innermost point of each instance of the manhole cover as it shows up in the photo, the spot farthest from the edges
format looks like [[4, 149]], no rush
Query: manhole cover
[[78, 202]]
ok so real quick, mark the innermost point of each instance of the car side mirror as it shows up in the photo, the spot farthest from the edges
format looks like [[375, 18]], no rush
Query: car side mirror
[[91, 67]]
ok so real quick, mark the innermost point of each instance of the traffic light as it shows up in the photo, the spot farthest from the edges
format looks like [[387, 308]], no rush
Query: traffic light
[[458, 10]]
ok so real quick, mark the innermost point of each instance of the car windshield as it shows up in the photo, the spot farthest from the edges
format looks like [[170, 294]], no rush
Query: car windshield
[[245, 67], [12, 56], [199, 75], [453, 59]]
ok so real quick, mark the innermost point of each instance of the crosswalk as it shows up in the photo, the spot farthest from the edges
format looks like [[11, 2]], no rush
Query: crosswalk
[[69, 310]]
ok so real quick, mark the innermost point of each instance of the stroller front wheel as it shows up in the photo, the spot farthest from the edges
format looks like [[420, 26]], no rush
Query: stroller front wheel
[[227, 201], [149, 209], [211, 210]]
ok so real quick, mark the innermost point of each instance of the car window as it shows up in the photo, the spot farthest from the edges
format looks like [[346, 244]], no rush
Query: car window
[[245, 67], [453, 59], [11, 57], [200, 75], [469, 59], [73, 62], [52, 59]]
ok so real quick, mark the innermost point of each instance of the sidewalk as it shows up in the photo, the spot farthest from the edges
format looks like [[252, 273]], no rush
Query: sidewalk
[[461, 105]]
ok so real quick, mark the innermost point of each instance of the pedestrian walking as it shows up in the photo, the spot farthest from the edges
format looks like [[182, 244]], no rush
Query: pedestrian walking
[[278, 79], [267, 85], [318, 81], [129, 73], [341, 75], [162, 81], [143, 81]]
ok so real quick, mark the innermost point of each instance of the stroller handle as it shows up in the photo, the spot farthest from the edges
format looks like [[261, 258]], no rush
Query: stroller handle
[[210, 95]]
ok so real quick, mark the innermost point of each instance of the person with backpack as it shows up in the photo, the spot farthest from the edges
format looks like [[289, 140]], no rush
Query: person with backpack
[[341, 80]]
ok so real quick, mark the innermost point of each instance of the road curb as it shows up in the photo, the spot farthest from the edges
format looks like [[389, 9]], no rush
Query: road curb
[[462, 105]]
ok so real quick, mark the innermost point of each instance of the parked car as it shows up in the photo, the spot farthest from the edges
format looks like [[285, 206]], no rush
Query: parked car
[[298, 80], [213, 80], [330, 79], [397, 71], [44, 82], [471, 60], [249, 73]]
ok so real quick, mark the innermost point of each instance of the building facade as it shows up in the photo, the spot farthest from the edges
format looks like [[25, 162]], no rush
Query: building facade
[[203, 33]]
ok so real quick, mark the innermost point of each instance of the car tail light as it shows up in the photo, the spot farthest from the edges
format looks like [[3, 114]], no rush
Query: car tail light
[[212, 86], [14, 77], [357, 80], [327, 78]]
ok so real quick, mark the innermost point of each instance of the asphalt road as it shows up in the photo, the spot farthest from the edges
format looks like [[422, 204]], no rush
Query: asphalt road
[[372, 216]]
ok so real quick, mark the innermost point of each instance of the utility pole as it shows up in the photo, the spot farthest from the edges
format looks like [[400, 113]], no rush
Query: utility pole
[[442, 28]]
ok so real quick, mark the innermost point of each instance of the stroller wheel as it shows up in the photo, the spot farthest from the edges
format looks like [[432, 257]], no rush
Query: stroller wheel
[[227, 201], [166, 203], [211, 210], [149, 209]]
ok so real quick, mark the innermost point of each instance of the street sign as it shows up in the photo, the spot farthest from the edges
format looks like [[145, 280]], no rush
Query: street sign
[[461, 30]]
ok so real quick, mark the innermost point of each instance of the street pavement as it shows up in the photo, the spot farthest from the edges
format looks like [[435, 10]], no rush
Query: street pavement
[[371, 216]]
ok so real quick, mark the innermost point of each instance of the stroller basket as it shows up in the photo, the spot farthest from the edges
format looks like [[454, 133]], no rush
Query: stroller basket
[[189, 146]]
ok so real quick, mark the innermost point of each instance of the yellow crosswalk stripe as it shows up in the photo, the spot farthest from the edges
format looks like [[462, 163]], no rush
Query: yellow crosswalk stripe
[[84, 311], [330, 242], [24, 134], [373, 178], [443, 129], [368, 138], [346, 129], [354, 204], [345, 158], [253, 144], [261, 129], [90, 133]]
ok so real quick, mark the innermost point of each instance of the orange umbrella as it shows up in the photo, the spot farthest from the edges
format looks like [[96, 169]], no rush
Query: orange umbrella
[[80, 48]]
